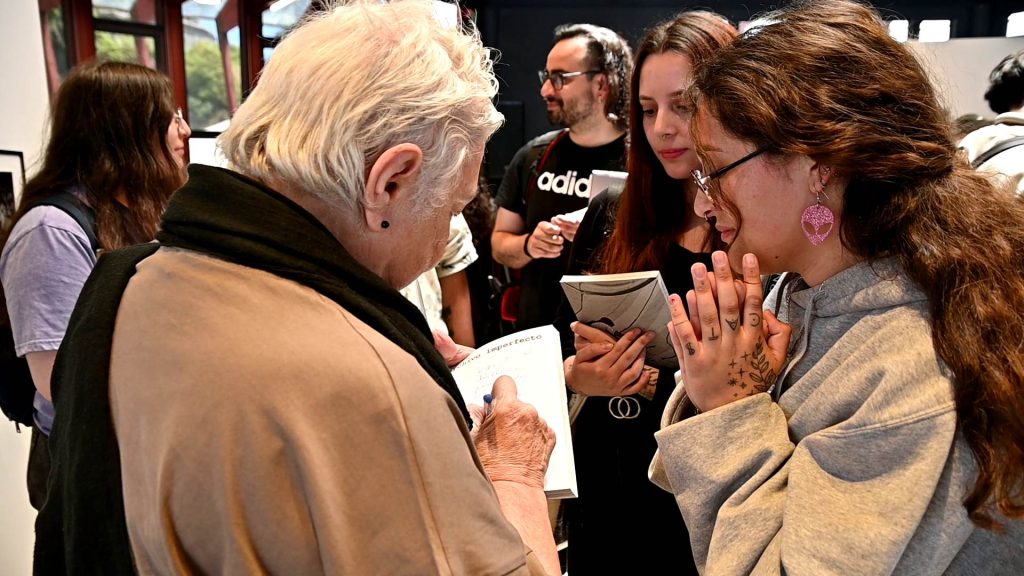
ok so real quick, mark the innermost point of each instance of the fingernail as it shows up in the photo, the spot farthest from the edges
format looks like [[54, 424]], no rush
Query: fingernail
[[699, 272], [719, 259], [749, 260]]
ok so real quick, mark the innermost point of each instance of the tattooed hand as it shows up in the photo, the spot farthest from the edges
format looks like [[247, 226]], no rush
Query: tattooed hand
[[728, 348]]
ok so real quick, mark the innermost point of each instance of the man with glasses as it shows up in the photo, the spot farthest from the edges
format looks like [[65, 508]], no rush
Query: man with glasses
[[585, 87]]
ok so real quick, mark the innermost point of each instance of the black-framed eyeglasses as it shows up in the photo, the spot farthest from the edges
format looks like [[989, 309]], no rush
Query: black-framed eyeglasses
[[704, 182], [558, 79]]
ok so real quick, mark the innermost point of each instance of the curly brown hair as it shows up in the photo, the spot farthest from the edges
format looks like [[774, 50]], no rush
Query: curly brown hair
[[824, 79], [650, 216]]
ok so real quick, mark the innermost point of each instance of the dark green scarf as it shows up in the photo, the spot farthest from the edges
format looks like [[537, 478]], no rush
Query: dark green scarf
[[81, 528]]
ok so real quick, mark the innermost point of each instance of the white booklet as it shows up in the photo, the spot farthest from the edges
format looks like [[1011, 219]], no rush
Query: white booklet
[[533, 358], [600, 180], [617, 303]]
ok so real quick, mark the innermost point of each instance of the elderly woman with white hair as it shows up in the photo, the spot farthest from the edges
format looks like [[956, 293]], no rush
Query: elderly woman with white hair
[[251, 394]]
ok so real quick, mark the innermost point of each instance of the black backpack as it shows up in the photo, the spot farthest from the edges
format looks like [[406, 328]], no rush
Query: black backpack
[[17, 390]]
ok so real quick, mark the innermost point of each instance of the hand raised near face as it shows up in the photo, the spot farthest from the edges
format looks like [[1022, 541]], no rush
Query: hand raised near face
[[728, 347]]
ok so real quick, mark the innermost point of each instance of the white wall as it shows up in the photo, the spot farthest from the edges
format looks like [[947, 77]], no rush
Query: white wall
[[960, 69], [23, 108]]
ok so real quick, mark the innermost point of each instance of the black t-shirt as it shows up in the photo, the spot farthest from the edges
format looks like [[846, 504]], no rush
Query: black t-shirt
[[559, 184]]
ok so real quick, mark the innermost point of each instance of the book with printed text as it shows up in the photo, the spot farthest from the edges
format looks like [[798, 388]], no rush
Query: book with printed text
[[533, 359], [617, 303]]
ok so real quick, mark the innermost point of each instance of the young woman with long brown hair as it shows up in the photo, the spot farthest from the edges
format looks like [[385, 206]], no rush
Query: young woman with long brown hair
[[870, 420], [649, 226], [117, 149]]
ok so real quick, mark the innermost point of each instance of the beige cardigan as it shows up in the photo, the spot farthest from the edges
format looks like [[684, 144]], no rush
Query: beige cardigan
[[267, 430]]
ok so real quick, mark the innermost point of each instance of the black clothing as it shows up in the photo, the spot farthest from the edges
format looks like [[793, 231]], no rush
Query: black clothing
[[622, 523], [559, 183], [81, 528]]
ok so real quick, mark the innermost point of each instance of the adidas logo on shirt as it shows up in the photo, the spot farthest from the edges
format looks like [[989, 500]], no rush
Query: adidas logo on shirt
[[567, 184]]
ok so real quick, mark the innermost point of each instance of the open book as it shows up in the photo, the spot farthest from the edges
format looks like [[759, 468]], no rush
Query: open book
[[617, 303], [532, 358]]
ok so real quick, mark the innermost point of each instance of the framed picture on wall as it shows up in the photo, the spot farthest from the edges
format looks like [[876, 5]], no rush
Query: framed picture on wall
[[12, 180]]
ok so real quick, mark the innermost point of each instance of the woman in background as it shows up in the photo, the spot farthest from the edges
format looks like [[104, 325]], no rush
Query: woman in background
[[649, 226], [880, 431], [116, 151]]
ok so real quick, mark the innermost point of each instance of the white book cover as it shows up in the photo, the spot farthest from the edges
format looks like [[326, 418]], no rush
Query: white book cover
[[533, 358], [617, 303], [600, 180]]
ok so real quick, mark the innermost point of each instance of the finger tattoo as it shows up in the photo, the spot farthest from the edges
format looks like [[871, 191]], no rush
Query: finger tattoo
[[732, 323], [755, 319], [713, 336], [689, 349]]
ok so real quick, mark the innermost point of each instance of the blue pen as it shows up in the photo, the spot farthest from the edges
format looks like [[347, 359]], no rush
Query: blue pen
[[487, 404]]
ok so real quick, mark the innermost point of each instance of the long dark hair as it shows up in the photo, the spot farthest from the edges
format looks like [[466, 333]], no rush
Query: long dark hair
[[827, 81], [650, 216], [108, 131]]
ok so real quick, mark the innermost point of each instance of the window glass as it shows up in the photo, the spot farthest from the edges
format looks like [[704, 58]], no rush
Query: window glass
[[143, 11], [114, 46], [55, 45], [213, 68], [280, 16]]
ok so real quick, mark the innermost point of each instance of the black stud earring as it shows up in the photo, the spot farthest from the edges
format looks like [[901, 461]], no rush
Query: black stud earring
[[385, 224]]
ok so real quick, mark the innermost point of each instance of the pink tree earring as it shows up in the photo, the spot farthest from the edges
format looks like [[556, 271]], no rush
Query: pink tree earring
[[818, 220]]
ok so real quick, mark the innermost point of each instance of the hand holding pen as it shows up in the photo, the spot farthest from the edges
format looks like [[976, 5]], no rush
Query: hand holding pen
[[512, 441]]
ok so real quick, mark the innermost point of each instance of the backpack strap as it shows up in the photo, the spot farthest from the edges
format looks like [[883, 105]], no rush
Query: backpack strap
[[996, 150], [539, 157], [68, 202]]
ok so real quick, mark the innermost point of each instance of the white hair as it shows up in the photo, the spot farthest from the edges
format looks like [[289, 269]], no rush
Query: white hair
[[353, 81]]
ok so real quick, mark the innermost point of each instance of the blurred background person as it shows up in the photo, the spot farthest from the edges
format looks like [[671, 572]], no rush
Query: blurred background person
[[442, 293], [877, 429], [967, 123], [650, 225], [114, 155], [999, 148], [252, 394], [584, 86]]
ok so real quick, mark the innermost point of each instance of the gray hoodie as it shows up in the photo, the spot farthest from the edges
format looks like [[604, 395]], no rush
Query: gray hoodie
[[858, 468]]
